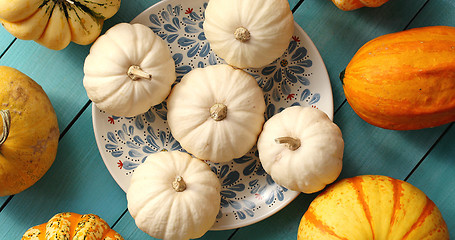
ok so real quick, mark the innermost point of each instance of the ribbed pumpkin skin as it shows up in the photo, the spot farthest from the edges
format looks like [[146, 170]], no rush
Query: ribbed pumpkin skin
[[372, 207], [55, 23], [404, 80], [73, 226]]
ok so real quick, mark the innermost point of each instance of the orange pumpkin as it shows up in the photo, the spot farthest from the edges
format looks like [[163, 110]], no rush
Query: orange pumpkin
[[372, 207], [73, 226], [404, 80], [349, 5]]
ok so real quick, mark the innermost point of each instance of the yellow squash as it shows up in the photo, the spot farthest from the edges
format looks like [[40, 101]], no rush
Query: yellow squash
[[372, 207], [55, 23], [28, 130], [72, 226], [404, 80]]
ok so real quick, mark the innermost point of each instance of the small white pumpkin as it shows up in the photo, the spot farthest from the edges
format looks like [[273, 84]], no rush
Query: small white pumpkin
[[216, 113], [248, 33], [128, 70], [174, 196], [301, 149]]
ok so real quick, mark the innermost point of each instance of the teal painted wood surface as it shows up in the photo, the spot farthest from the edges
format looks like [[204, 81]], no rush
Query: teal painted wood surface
[[78, 181], [440, 12], [5, 39]]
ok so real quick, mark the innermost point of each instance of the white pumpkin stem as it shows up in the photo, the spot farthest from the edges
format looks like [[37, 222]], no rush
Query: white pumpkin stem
[[291, 143], [218, 111], [6, 117], [135, 72], [242, 34], [179, 185]]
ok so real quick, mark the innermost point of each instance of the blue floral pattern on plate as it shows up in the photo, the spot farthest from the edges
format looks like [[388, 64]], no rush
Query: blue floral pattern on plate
[[248, 193]]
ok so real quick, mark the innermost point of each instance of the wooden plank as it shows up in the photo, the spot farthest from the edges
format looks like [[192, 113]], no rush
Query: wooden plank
[[5, 39], [372, 150], [339, 34], [441, 12], [78, 181], [436, 177], [127, 228]]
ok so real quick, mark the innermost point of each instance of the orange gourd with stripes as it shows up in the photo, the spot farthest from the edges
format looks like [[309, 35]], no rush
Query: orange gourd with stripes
[[72, 226], [404, 80], [372, 207], [348, 5]]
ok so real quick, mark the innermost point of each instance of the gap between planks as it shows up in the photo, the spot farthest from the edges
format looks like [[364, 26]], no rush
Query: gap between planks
[[7, 48]]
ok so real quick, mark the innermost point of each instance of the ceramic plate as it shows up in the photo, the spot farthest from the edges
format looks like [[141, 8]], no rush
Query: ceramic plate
[[249, 194]]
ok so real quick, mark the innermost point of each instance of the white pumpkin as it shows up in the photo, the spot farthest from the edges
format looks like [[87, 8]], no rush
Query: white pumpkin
[[248, 33], [128, 70], [174, 196], [216, 113], [301, 149]]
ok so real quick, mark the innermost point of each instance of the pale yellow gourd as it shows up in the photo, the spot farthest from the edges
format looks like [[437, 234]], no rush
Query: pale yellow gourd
[[55, 23], [174, 196], [248, 33], [301, 149], [128, 70], [216, 113]]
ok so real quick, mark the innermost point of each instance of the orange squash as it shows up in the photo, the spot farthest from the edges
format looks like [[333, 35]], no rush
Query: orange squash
[[372, 207], [28, 130], [349, 5], [72, 226], [404, 80]]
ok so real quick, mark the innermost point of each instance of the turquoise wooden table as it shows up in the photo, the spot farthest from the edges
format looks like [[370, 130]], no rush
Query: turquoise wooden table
[[79, 182]]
